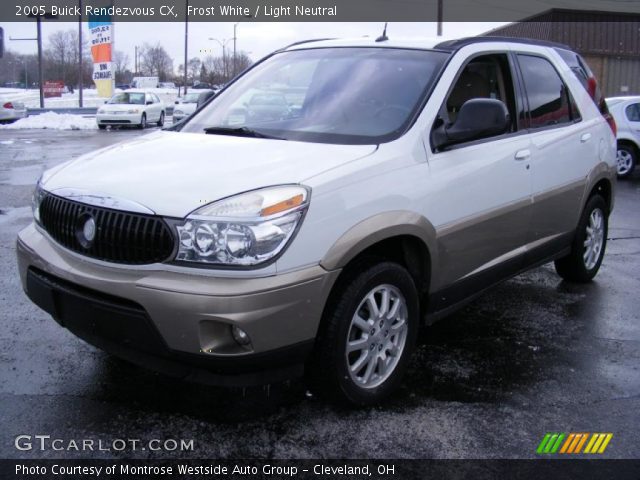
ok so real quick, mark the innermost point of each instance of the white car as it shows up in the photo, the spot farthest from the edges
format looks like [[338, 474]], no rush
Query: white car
[[131, 107], [187, 105], [409, 177], [10, 111], [626, 111]]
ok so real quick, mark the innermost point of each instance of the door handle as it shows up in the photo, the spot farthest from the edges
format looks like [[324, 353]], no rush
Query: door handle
[[522, 154], [585, 137]]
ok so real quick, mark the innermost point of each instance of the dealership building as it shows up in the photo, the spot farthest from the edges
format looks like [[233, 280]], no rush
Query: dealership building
[[609, 42]]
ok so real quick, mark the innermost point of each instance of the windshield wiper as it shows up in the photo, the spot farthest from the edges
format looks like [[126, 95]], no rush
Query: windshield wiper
[[239, 132]]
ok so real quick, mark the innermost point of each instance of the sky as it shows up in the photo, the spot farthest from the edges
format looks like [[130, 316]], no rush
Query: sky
[[256, 38]]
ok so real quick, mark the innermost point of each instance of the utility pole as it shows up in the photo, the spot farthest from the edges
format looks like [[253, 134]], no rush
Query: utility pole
[[39, 40], [186, 43], [440, 7], [81, 72], [235, 69]]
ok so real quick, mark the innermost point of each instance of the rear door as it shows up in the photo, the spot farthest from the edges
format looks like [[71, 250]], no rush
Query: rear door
[[564, 148]]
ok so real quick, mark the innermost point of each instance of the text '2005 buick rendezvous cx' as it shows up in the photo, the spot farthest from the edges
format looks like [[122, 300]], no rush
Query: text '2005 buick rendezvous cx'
[[327, 204]]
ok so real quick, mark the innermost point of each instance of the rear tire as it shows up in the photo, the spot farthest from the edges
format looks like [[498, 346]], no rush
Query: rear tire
[[626, 160], [587, 249], [161, 120], [367, 336]]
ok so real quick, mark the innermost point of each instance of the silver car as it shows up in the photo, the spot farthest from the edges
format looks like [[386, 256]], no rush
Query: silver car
[[626, 111], [12, 111]]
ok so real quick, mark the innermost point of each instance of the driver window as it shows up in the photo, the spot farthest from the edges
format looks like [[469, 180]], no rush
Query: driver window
[[486, 76]]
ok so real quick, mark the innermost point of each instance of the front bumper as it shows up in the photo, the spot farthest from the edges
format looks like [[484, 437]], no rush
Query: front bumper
[[119, 118], [179, 322]]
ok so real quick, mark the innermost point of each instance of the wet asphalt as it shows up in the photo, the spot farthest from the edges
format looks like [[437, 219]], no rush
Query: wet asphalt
[[533, 355]]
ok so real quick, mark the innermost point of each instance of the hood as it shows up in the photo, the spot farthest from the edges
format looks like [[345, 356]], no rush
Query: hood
[[173, 173]]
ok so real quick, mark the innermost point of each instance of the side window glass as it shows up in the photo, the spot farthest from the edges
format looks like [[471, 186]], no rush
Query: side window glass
[[487, 76], [550, 102], [633, 112]]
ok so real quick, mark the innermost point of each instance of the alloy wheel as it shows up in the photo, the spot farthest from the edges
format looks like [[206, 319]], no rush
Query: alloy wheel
[[377, 336]]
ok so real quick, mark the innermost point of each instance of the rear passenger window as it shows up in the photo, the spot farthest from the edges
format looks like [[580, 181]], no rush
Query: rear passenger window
[[633, 112], [550, 102]]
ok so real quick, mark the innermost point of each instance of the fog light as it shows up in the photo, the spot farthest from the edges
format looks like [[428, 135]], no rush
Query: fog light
[[240, 335]]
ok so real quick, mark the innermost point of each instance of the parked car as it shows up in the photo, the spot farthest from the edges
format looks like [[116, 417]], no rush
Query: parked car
[[132, 107], [626, 111], [123, 86], [202, 86], [236, 250], [11, 111], [187, 105]]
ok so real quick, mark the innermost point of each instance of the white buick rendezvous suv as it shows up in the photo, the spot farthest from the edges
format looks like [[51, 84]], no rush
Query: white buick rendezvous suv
[[375, 187]]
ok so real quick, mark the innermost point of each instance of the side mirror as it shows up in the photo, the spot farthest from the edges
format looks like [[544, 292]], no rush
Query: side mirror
[[478, 118], [149, 102], [105, 101], [176, 102]]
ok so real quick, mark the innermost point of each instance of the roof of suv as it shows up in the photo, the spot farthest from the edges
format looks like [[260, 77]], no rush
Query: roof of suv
[[419, 43]]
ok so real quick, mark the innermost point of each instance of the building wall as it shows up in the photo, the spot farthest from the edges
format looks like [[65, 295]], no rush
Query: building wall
[[609, 42]]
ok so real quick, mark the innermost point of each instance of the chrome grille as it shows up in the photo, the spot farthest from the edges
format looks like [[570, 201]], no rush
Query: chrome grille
[[120, 237]]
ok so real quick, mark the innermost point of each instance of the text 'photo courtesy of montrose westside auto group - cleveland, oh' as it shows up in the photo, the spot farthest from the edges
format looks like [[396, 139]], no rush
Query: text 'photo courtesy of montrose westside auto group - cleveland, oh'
[[320, 239]]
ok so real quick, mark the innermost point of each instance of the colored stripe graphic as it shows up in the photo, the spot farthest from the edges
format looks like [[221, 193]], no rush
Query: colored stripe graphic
[[598, 442], [573, 443], [550, 443]]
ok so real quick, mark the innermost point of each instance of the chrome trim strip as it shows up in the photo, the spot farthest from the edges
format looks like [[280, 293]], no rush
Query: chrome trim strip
[[100, 200]]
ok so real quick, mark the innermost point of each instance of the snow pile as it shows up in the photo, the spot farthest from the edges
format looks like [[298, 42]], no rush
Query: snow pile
[[53, 121]]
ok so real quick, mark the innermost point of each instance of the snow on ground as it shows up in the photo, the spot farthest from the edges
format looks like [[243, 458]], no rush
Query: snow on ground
[[53, 121], [31, 98]]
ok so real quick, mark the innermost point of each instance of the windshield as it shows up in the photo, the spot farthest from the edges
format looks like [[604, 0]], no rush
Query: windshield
[[328, 95], [191, 98], [127, 98]]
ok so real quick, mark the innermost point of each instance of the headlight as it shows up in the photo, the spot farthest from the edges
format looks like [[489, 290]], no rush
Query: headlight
[[101, 110], [133, 110], [243, 230], [36, 200]]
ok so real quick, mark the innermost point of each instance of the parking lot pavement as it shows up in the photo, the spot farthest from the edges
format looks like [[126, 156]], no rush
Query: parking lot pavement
[[533, 355]]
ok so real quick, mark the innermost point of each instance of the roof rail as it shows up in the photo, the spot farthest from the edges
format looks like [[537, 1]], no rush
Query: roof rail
[[457, 44], [305, 41]]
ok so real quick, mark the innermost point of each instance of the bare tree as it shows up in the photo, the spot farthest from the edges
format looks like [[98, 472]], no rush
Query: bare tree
[[221, 69], [120, 65], [193, 68], [155, 61], [62, 56]]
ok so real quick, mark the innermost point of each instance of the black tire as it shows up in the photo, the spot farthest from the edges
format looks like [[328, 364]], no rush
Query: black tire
[[102, 127], [573, 267], [143, 122], [161, 121], [328, 372], [630, 154]]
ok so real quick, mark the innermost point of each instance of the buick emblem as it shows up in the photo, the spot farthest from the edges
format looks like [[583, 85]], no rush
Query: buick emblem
[[86, 230], [89, 230]]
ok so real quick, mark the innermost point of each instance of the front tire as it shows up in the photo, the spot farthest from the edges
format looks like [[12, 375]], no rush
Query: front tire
[[143, 121], [368, 334], [587, 249], [626, 160]]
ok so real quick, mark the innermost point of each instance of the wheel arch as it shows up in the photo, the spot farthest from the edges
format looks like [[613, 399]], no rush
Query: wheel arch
[[404, 237]]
